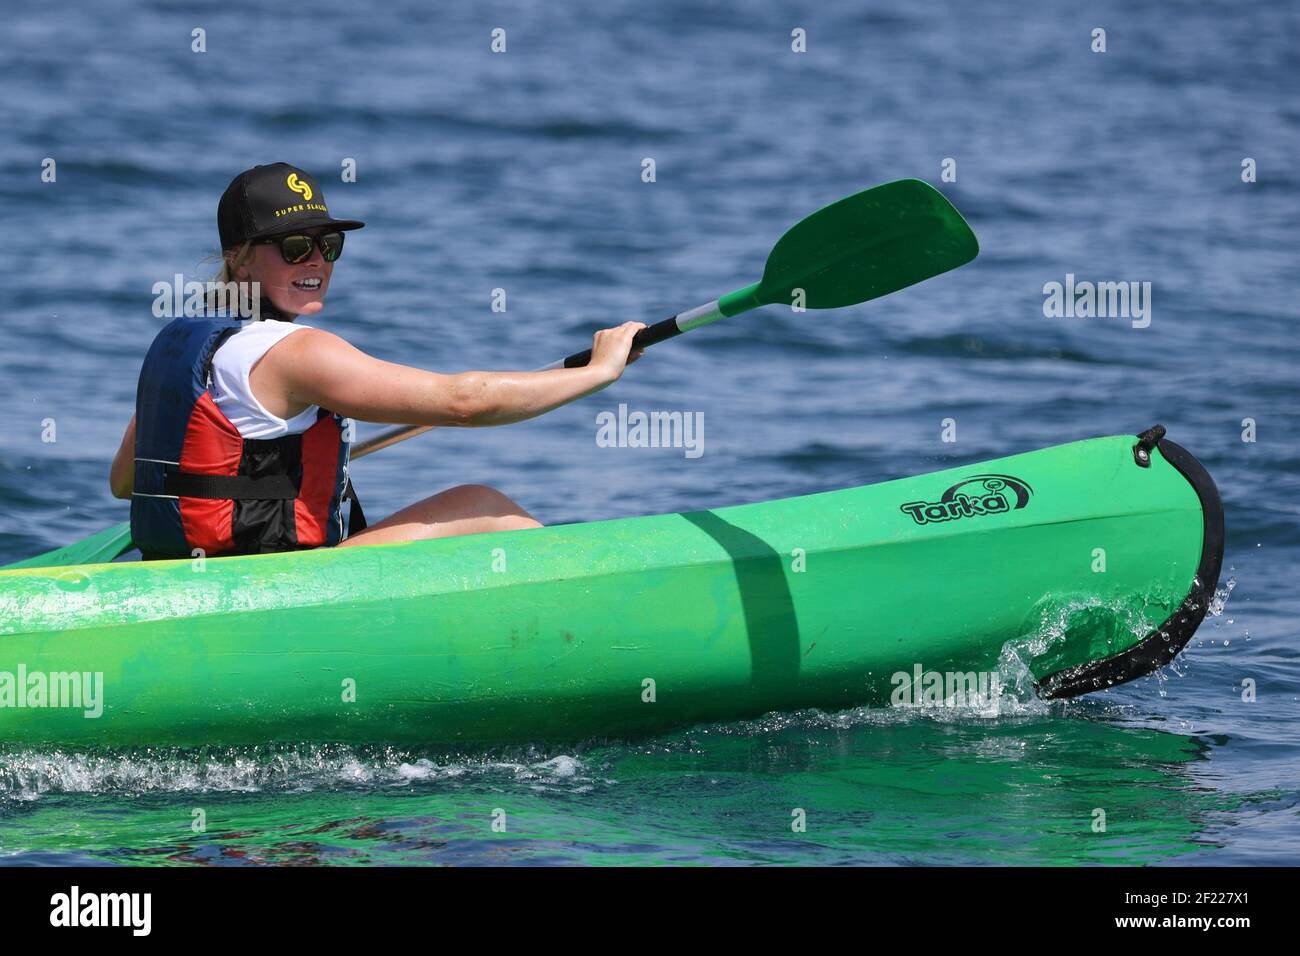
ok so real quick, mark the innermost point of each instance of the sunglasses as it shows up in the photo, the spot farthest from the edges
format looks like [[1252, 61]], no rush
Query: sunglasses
[[297, 248]]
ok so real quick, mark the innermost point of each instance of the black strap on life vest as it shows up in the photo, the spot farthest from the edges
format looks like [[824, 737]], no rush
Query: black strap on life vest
[[356, 517], [183, 484], [244, 488]]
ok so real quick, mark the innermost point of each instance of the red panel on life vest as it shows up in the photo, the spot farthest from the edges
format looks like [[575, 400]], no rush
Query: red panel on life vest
[[320, 466], [212, 446]]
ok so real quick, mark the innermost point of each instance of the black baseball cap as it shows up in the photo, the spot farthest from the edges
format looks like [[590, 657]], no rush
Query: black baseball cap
[[270, 200]]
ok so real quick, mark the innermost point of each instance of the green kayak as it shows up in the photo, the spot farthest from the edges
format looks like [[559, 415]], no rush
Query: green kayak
[[1059, 571]]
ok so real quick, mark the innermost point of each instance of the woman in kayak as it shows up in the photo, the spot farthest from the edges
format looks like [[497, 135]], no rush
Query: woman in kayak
[[239, 441]]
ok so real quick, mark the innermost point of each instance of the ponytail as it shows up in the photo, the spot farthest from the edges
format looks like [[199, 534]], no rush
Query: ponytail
[[224, 292]]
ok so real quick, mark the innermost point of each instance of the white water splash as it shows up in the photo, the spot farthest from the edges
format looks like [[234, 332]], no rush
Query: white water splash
[[1220, 599], [29, 775]]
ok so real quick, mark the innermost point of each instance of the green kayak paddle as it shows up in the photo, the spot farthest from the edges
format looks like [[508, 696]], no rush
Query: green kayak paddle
[[99, 548], [857, 249]]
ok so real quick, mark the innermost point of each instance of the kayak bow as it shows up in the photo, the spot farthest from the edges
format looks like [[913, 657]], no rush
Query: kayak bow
[[1072, 569]]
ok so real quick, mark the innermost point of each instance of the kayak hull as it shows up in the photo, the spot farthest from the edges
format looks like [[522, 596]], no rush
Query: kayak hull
[[1064, 570]]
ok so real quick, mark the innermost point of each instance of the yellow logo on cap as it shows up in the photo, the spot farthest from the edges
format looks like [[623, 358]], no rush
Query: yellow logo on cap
[[298, 186]]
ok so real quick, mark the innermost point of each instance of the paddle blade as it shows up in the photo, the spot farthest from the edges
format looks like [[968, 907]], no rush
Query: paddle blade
[[867, 245], [99, 548]]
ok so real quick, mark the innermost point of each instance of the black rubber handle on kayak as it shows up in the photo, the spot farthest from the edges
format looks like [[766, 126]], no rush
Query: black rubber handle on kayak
[[647, 336]]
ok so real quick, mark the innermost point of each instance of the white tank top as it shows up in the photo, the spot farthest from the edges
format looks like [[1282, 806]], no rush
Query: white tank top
[[231, 366]]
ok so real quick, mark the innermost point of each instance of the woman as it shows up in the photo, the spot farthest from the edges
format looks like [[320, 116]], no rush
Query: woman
[[238, 444]]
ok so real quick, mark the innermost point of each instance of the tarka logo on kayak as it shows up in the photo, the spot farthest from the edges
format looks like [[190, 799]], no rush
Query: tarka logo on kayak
[[971, 498], [298, 186]]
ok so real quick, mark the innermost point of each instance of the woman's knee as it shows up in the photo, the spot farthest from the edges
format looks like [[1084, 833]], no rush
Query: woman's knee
[[483, 496], [492, 504], [475, 491]]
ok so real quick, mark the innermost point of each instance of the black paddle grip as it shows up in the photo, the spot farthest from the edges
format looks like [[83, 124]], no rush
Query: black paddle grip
[[646, 337]]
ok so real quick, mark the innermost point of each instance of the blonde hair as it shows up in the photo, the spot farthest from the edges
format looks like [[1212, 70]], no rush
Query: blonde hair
[[219, 284]]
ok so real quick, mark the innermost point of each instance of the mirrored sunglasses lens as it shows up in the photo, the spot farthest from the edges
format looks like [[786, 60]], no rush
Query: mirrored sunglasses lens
[[331, 245], [296, 248]]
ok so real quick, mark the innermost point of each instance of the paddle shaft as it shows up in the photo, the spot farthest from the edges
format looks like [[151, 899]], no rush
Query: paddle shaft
[[742, 300]]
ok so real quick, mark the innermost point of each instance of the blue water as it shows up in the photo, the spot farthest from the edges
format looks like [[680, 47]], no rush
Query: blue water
[[522, 171]]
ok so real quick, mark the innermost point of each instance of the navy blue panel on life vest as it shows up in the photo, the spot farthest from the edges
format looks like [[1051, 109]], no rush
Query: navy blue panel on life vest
[[173, 378]]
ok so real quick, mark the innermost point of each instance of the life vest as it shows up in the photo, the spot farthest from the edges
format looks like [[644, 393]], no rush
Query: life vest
[[200, 485]]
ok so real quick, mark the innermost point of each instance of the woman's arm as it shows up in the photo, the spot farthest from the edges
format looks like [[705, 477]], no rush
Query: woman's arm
[[121, 477], [319, 368]]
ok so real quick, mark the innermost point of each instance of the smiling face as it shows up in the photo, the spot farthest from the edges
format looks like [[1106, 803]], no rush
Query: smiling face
[[293, 288]]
